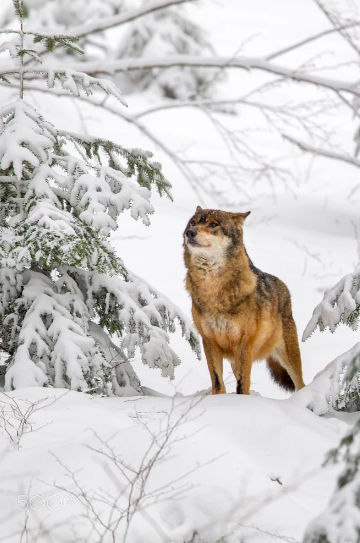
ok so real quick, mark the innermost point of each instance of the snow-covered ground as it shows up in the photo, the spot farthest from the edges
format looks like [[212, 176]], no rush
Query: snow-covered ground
[[235, 467], [245, 468]]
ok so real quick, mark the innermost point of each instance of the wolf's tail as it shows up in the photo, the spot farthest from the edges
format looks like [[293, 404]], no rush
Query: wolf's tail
[[280, 375]]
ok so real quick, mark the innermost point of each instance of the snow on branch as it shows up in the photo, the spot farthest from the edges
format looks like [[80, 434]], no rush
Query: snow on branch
[[244, 63], [52, 40], [10, 289], [137, 160], [307, 147], [54, 345], [139, 314], [9, 46], [314, 37], [24, 139], [74, 81], [98, 192], [168, 311], [328, 386], [341, 304]]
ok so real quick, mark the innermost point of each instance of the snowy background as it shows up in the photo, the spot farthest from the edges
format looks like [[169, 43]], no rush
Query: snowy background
[[264, 478]]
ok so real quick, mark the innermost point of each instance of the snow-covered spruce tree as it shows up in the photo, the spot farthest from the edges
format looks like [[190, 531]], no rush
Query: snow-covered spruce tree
[[166, 32], [63, 290], [339, 384]]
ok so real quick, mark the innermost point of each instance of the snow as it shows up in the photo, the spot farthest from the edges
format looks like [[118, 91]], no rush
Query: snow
[[234, 461]]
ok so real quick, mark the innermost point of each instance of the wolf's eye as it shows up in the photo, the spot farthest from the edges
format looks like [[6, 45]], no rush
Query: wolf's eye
[[213, 225]]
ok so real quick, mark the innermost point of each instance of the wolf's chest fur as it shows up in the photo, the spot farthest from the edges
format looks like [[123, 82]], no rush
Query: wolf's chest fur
[[217, 289], [220, 296], [208, 266]]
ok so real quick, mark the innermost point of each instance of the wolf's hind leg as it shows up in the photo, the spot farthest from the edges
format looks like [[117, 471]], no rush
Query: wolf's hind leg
[[214, 359], [289, 353]]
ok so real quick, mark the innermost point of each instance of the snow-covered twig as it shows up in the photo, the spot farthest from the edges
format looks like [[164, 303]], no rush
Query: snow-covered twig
[[314, 37], [277, 117], [338, 27], [309, 148], [244, 63]]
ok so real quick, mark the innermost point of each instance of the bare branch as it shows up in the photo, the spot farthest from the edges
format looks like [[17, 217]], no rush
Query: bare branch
[[334, 21], [307, 147], [310, 39], [247, 162], [15, 420]]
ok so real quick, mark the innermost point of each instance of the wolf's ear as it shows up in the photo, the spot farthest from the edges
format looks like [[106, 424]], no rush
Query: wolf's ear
[[199, 208], [240, 217]]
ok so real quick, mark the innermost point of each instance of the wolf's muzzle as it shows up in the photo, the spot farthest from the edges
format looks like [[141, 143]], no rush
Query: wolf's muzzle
[[191, 233]]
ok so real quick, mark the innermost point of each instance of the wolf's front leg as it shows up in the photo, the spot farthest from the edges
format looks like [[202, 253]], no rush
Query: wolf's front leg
[[214, 359], [242, 369]]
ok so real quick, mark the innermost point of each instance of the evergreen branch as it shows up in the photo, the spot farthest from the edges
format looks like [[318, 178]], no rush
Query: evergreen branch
[[49, 40], [9, 31], [4, 79], [19, 8], [30, 52], [52, 41], [341, 304], [70, 80], [12, 180], [147, 173]]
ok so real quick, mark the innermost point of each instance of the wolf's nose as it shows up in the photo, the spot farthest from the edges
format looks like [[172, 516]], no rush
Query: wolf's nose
[[191, 233]]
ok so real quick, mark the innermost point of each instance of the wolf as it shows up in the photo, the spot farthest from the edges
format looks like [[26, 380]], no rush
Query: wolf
[[242, 313]]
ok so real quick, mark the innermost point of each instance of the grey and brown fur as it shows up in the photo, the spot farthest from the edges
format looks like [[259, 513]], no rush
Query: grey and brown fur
[[242, 313]]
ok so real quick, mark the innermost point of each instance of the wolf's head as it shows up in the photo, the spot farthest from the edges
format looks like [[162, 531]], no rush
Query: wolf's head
[[213, 233]]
